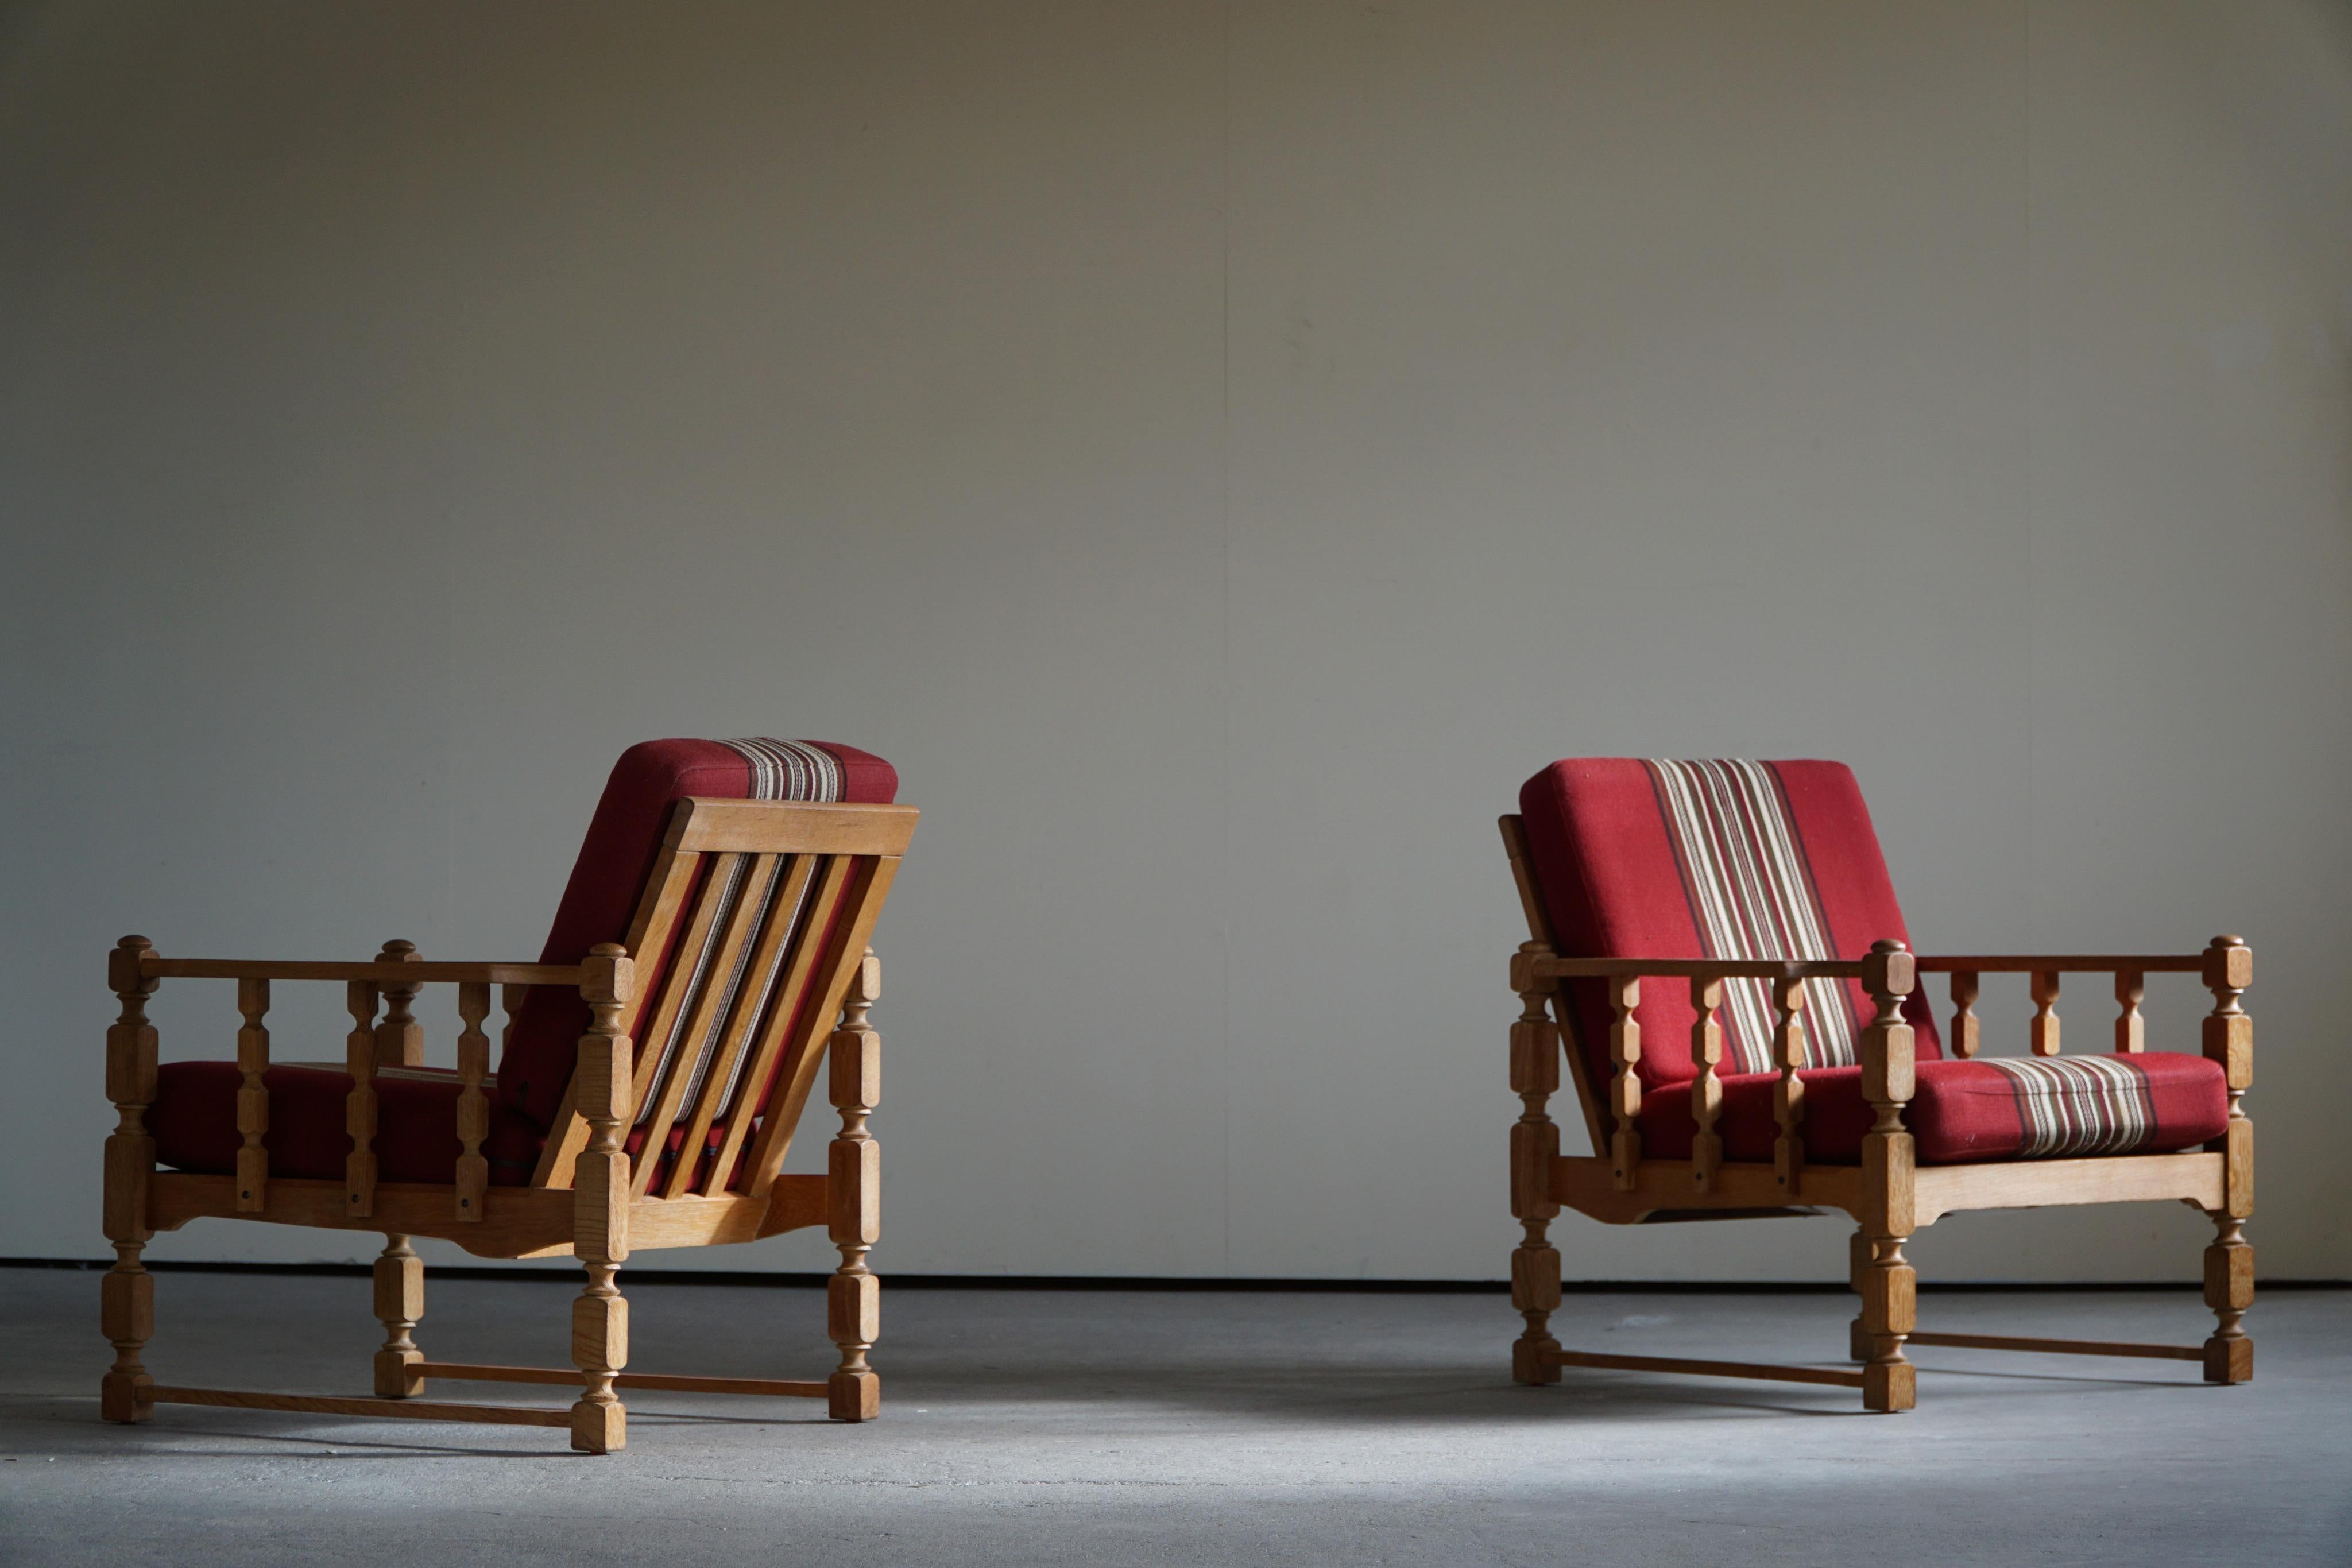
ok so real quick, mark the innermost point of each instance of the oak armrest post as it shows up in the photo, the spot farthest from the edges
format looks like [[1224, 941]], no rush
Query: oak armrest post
[[1789, 1093], [473, 1174], [600, 1213], [1625, 1085], [127, 1296], [2131, 1025], [1889, 1285], [2229, 1038], [1968, 1032], [252, 1097], [359, 1105], [2043, 1029], [1706, 1089], [854, 1195], [1535, 1144], [399, 1038]]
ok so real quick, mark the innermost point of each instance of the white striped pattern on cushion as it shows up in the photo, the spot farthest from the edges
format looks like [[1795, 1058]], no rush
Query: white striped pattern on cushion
[[2078, 1105], [1751, 895], [780, 770], [789, 769]]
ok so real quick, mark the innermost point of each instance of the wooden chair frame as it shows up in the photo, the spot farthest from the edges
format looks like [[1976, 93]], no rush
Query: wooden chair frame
[[587, 1198], [1889, 1196]]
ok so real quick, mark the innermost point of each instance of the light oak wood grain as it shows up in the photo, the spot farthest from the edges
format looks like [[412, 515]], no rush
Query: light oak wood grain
[[586, 1198], [1889, 1193]]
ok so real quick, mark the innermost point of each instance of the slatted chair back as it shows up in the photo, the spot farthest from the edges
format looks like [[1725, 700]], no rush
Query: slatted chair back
[[764, 910], [753, 888]]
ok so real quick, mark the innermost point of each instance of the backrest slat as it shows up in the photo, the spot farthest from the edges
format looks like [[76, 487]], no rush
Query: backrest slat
[[741, 888], [743, 1104], [636, 882], [782, 917], [687, 969], [846, 944]]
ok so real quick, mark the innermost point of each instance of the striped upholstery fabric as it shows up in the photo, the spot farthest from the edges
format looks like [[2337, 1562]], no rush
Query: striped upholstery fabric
[[1778, 860], [1751, 892], [1990, 1108], [1714, 859], [2079, 1105]]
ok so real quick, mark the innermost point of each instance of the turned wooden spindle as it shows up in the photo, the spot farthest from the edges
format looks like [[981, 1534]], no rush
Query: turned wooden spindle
[[1967, 1029], [1789, 1093], [1535, 1144], [600, 1224], [1625, 1085], [1890, 1309], [252, 1097], [399, 1306], [2131, 1026], [399, 1038], [1706, 1089], [2043, 1029], [854, 1182], [127, 1294], [473, 1177], [2229, 1038], [359, 1105]]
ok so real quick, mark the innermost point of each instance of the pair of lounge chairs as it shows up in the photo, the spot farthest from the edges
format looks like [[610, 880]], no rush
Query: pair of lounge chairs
[[712, 950]]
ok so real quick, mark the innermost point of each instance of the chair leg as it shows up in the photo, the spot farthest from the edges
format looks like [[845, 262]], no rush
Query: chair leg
[[126, 1311], [1857, 1265], [853, 1301], [2229, 1290], [600, 1348], [399, 1304], [1535, 1144], [1535, 1292], [127, 1317], [1890, 1311]]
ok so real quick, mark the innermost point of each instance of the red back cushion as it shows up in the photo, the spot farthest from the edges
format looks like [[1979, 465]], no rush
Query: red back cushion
[[1715, 859], [617, 857]]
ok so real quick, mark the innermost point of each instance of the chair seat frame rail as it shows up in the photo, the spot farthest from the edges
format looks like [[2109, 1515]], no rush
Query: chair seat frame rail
[[1889, 1196], [822, 872]]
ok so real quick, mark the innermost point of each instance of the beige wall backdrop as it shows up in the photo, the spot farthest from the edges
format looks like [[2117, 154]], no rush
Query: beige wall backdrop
[[1216, 452]]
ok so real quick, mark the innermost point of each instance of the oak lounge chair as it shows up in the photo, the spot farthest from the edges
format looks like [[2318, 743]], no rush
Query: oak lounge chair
[[1720, 946], [719, 913]]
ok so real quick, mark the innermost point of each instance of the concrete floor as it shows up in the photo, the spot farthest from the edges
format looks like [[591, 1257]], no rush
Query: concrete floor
[[1099, 1427]]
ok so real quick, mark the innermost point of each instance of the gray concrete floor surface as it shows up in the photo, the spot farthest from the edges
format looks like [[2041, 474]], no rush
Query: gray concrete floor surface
[[1108, 1427]]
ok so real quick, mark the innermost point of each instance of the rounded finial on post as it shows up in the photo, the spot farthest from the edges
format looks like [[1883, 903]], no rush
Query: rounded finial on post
[[609, 971], [2228, 964], [122, 976], [1889, 970]]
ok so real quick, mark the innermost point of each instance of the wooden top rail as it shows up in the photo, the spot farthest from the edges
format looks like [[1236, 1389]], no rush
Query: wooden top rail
[[1697, 968], [705, 825], [2065, 963], [154, 968]]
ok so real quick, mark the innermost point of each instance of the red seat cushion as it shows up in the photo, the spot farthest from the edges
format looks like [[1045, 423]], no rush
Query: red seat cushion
[[1714, 859], [617, 855], [193, 1118], [1988, 1108]]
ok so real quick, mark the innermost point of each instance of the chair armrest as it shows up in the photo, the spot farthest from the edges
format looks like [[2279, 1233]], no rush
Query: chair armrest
[[374, 973], [1551, 968], [2063, 964], [2226, 967]]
